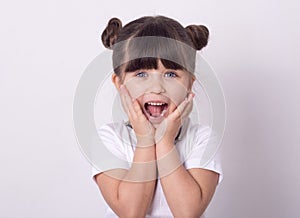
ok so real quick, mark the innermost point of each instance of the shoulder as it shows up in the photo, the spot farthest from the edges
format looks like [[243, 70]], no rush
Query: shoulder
[[116, 136], [111, 127], [206, 140], [196, 133], [115, 131], [112, 149], [200, 147]]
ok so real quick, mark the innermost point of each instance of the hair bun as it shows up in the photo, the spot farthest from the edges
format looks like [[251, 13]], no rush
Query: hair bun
[[199, 35], [111, 32]]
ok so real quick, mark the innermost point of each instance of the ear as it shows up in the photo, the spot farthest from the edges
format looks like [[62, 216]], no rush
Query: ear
[[116, 81], [192, 80]]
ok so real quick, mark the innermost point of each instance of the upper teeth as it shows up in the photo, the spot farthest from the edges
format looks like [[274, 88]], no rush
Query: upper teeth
[[156, 103]]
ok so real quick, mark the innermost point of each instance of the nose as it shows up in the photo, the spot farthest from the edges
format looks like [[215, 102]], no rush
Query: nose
[[157, 85]]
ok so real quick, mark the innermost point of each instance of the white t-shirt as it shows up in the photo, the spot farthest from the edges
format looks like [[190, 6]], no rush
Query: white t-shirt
[[194, 145]]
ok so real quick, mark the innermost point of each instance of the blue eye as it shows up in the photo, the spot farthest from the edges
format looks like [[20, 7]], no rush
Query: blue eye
[[170, 74], [141, 74]]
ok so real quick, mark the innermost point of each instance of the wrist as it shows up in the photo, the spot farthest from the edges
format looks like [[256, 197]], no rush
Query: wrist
[[165, 142], [145, 143], [168, 162], [144, 154], [163, 147]]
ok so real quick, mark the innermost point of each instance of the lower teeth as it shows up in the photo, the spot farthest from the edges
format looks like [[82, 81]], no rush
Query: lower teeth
[[158, 115]]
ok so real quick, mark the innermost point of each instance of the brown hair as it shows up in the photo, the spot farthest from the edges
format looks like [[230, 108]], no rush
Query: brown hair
[[195, 36]]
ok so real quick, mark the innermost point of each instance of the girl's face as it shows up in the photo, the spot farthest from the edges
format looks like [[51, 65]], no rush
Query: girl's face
[[158, 91]]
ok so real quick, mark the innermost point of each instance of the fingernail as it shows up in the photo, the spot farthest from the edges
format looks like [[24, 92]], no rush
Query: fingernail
[[163, 113], [122, 89], [191, 96]]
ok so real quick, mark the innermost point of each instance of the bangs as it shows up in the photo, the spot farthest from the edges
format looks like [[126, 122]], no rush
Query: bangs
[[154, 42], [145, 52], [148, 63]]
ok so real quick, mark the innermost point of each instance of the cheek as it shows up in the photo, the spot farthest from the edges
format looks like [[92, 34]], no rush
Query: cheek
[[136, 87], [176, 91]]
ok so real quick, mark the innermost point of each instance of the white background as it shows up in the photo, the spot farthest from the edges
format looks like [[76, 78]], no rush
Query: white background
[[44, 49]]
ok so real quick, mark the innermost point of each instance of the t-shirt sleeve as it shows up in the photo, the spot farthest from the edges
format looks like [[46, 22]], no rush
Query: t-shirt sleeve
[[111, 153], [206, 152]]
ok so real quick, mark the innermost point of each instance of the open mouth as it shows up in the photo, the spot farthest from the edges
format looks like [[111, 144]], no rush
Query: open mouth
[[155, 108]]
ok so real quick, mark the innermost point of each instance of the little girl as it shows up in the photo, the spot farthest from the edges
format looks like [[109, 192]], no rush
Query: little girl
[[154, 62]]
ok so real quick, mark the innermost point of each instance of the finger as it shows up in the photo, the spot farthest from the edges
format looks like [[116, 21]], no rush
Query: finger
[[186, 102], [183, 108], [189, 106], [137, 108], [133, 107], [126, 100], [126, 95], [123, 99]]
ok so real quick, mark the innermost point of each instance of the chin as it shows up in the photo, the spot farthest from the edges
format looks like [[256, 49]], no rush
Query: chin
[[155, 125]]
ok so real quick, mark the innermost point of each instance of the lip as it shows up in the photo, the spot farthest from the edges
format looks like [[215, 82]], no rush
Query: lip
[[155, 120]]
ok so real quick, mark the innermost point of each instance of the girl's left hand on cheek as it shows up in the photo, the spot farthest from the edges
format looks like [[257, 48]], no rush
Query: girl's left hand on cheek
[[168, 129], [143, 129]]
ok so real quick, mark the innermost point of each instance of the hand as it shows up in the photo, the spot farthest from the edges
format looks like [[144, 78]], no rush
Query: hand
[[143, 129], [169, 127]]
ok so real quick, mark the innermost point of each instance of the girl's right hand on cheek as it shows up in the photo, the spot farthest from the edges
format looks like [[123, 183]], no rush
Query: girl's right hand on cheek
[[143, 129], [168, 129]]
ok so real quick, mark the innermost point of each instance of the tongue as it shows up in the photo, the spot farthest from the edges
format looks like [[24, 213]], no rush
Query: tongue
[[155, 111]]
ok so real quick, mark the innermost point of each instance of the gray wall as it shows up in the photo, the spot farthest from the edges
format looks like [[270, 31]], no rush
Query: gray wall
[[45, 47]]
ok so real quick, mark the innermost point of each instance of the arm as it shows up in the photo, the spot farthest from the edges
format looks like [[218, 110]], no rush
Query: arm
[[129, 197], [188, 192], [130, 192]]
